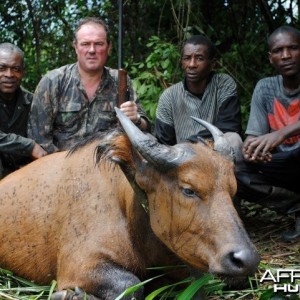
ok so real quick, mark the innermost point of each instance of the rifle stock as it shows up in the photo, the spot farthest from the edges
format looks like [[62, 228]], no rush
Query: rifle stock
[[122, 87]]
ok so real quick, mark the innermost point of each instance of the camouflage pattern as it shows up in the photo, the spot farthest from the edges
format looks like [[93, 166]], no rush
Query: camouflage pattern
[[15, 147], [61, 113]]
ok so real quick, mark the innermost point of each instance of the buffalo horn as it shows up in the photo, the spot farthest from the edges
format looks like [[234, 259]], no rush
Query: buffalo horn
[[161, 156], [220, 143]]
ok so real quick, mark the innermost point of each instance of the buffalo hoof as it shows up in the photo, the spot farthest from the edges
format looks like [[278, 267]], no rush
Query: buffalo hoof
[[77, 294], [61, 295]]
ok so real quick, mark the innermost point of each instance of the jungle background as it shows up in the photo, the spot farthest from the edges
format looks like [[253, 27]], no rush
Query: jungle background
[[153, 32]]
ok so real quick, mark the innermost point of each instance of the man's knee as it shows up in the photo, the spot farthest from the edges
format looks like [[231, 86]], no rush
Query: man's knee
[[273, 197], [253, 192]]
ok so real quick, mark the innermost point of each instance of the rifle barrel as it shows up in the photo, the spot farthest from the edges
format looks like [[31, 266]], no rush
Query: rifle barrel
[[120, 36]]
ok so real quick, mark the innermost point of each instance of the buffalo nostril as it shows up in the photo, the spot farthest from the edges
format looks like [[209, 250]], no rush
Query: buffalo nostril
[[241, 262], [237, 258]]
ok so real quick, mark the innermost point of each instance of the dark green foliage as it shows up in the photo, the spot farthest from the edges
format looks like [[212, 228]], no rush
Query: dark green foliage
[[158, 71], [44, 30]]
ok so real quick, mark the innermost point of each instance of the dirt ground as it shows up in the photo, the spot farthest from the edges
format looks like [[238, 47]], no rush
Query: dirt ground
[[265, 228]]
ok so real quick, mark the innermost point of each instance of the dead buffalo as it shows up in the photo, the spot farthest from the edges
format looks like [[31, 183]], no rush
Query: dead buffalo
[[78, 218]]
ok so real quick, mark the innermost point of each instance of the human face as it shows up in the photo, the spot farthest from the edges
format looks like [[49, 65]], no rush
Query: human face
[[11, 72], [92, 48], [196, 63], [284, 54]]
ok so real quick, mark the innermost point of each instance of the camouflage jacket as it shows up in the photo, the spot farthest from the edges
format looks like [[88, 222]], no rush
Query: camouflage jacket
[[15, 147], [61, 114]]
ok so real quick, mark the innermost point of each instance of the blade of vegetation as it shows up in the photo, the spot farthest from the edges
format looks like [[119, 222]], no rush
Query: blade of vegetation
[[189, 292], [164, 288], [136, 287]]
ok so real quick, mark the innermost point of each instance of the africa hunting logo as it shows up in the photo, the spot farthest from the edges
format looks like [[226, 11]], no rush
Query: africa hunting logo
[[283, 280]]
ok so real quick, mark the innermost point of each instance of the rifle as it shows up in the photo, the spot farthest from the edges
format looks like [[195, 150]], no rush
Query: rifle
[[122, 73], [122, 86]]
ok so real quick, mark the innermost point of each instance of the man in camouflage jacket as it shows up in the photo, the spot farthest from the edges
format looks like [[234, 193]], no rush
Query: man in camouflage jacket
[[77, 100]]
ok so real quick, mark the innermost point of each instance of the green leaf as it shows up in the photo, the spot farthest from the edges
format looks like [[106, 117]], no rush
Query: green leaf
[[189, 292], [52, 288], [136, 287]]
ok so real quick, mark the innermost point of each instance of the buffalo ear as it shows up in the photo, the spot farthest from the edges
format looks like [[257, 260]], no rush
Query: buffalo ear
[[130, 173]]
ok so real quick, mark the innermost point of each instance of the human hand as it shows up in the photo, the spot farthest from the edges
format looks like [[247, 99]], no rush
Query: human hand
[[260, 157], [38, 151], [129, 108], [259, 148]]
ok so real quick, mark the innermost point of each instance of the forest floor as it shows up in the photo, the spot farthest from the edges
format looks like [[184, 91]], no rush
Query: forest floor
[[265, 228]]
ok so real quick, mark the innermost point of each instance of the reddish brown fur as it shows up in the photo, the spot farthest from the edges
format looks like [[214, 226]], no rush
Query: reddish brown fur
[[63, 217]]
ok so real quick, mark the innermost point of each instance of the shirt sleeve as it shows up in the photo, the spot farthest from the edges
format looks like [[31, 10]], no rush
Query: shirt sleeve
[[15, 144], [258, 121], [164, 133], [42, 114], [229, 117], [164, 128]]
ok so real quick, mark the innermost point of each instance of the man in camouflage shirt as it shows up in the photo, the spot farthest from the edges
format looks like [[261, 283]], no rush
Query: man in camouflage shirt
[[16, 149], [76, 100]]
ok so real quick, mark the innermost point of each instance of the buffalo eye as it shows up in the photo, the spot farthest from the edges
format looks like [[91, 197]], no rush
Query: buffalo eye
[[188, 192]]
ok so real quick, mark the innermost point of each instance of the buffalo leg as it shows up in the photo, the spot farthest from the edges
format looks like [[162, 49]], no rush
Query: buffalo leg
[[107, 283]]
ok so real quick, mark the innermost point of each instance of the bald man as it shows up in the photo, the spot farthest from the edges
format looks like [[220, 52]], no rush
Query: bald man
[[16, 149]]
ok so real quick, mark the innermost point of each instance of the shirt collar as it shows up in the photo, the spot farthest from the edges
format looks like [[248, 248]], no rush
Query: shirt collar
[[197, 95]]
